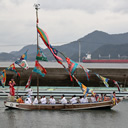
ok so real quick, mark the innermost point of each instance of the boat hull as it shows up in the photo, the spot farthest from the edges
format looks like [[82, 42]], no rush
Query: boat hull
[[105, 61], [97, 105]]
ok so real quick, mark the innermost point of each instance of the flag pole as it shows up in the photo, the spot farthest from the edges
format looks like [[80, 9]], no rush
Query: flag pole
[[37, 7]]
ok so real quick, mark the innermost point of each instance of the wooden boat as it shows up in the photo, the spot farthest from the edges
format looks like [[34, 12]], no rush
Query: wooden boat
[[78, 106]]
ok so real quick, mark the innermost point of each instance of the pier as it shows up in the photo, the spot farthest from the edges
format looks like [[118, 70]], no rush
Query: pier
[[59, 77]]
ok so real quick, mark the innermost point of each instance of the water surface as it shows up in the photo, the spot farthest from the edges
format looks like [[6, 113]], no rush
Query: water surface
[[114, 118]]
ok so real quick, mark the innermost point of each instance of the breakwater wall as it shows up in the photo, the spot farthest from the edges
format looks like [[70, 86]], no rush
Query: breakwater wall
[[59, 77]]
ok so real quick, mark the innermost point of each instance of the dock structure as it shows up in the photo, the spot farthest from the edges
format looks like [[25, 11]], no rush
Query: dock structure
[[59, 77]]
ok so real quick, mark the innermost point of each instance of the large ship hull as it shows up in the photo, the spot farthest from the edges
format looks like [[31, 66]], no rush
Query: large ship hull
[[105, 61]]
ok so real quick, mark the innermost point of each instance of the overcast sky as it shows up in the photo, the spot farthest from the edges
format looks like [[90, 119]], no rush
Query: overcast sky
[[63, 20]]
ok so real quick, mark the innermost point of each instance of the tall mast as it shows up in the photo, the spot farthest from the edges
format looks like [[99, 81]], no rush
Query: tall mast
[[37, 7]]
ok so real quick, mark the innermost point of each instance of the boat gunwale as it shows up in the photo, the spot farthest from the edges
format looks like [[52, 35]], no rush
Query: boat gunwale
[[78, 106]]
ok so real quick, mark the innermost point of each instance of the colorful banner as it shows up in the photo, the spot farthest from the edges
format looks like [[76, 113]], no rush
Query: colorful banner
[[71, 67], [84, 89], [45, 39], [24, 56], [40, 55], [39, 69], [116, 83], [3, 78], [29, 81], [54, 50], [22, 63], [44, 36], [86, 72], [12, 68], [105, 80]]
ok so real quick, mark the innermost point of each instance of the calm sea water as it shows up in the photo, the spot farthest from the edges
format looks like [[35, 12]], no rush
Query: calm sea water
[[87, 65], [114, 118]]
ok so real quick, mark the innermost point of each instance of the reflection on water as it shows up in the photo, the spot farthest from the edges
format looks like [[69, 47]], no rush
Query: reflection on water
[[114, 118]]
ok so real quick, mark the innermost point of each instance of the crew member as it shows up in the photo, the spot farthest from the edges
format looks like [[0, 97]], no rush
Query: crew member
[[35, 100], [93, 99], [73, 100], [11, 86], [63, 100], [114, 97], [43, 100], [20, 100], [28, 100], [29, 92], [52, 100]]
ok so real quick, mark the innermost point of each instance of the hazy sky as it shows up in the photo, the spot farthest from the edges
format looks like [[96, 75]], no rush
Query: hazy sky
[[63, 20]]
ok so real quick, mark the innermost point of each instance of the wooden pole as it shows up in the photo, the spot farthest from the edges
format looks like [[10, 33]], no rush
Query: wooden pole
[[37, 7]]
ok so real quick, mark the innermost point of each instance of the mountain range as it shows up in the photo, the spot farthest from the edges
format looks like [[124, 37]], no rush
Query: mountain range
[[97, 43]]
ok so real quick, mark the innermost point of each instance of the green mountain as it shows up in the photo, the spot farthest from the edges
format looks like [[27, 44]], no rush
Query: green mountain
[[115, 51]]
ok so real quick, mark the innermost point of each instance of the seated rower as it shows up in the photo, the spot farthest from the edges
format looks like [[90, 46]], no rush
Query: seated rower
[[97, 98], [17, 99], [93, 99], [84, 99], [20, 100], [114, 97], [35, 100], [106, 98], [63, 100], [28, 100], [52, 100], [80, 99], [43, 100], [73, 100], [102, 97]]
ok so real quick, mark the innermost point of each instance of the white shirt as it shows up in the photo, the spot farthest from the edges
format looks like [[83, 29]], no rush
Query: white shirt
[[93, 99], [30, 92], [43, 100], [35, 101], [85, 100], [63, 100], [81, 100], [73, 100], [52, 101], [28, 101]]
